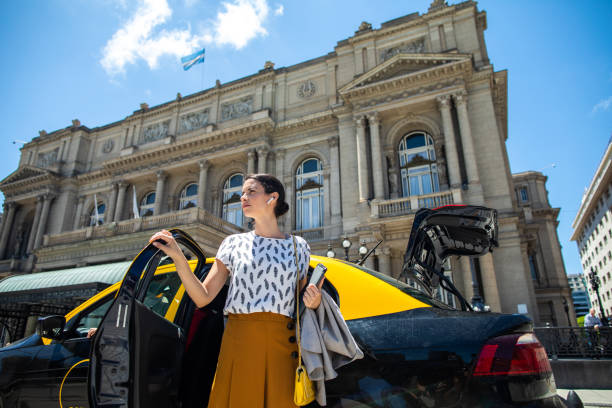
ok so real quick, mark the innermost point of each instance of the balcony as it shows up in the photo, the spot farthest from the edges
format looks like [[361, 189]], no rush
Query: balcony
[[192, 215], [314, 234], [406, 205]]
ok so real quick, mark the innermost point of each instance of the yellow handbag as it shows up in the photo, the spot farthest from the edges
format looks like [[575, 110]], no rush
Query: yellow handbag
[[304, 392]]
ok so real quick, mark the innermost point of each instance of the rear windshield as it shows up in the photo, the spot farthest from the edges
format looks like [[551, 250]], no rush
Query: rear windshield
[[404, 287]]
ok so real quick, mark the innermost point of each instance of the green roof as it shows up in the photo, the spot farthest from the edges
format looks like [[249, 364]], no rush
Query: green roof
[[106, 273]]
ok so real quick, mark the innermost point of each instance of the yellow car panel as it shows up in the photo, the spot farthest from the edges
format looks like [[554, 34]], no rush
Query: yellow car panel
[[360, 292]]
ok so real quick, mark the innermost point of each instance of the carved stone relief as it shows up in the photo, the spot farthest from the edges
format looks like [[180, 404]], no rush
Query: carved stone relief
[[414, 47], [154, 132], [238, 109], [193, 121], [306, 89], [47, 159], [107, 147]]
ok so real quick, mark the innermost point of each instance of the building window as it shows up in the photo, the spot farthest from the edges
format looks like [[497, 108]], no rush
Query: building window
[[99, 218], [417, 158], [147, 205], [309, 195], [232, 208], [523, 196], [189, 196], [533, 268]]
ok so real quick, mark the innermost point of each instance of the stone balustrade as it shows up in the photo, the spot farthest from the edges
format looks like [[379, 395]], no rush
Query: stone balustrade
[[314, 234], [168, 220], [407, 205]]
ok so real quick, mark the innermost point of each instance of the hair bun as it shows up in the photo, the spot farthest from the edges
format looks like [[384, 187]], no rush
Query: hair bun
[[281, 208]]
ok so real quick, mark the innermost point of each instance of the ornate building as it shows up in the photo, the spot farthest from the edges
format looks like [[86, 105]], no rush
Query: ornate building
[[405, 116]]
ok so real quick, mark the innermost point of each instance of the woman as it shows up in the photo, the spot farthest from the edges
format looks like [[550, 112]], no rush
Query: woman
[[258, 356]]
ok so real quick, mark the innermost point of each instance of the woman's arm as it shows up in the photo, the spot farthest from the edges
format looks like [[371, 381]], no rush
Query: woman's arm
[[202, 293]]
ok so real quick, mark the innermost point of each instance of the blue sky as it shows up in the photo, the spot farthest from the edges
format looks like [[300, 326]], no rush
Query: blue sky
[[97, 60]]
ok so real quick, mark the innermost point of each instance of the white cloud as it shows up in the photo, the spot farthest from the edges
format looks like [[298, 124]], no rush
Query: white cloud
[[603, 105], [140, 37], [280, 10], [240, 22]]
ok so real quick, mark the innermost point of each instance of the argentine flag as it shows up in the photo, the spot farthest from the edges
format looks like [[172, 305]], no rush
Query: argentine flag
[[190, 60]]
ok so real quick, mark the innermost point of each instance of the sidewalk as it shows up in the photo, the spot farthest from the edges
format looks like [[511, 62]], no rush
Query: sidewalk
[[591, 398]]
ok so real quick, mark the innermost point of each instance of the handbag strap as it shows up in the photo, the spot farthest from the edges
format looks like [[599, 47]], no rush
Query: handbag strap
[[297, 301]]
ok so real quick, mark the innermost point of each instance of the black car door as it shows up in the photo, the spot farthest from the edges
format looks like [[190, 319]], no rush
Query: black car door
[[136, 356]]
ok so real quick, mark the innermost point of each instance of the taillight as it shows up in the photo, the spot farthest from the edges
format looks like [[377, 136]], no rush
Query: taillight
[[513, 354]]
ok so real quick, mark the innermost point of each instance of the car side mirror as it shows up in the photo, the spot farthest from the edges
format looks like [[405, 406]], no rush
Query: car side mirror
[[50, 327]]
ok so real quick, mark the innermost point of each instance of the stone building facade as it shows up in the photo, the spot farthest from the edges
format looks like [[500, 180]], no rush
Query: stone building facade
[[593, 233], [396, 118]]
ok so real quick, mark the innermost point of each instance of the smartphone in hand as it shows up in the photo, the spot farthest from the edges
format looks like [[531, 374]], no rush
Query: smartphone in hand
[[317, 274]]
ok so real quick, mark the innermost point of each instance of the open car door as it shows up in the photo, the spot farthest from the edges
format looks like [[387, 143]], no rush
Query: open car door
[[136, 354]]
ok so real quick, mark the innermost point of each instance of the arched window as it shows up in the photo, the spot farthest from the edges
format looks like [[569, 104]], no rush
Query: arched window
[[147, 205], [189, 196], [232, 207], [99, 219], [309, 195], [417, 158]]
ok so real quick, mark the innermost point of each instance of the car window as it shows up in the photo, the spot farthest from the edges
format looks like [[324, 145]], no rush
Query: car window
[[162, 288], [161, 292], [92, 317]]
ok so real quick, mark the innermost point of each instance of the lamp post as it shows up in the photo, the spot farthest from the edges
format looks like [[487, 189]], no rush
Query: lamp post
[[330, 251], [346, 244], [566, 308], [594, 279], [363, 250]]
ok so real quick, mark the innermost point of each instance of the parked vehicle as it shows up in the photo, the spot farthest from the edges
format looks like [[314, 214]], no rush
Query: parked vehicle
[[154, 348]]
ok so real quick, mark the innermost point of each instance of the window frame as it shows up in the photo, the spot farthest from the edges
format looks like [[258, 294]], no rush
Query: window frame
[[416, 163]]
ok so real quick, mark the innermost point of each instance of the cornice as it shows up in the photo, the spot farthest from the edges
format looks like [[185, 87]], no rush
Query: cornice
[[314, 119], [182, 150]]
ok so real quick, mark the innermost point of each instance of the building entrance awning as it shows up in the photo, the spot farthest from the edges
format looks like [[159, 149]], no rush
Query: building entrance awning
[[61, 285]]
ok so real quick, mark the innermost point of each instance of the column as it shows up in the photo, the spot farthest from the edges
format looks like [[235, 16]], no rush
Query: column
[[384, 260], [466, 271], [34, 228], [121, 186], [42, 224], [159, 191], [79, 213], [489, 282], [110, 215], [466, 137], [251, 161], [280, 164], [452, 157], [362, 162], [369, 263], [7, 225], [334, 188], [202, 187], [262, 159], [377, 158]]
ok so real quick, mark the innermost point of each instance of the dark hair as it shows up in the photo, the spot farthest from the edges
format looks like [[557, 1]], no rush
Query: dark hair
[[272, 185]]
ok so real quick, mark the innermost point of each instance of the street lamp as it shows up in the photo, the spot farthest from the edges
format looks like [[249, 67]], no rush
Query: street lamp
[[346, 244], [594, 279], [330, 251], [363, 249], [566, 307]]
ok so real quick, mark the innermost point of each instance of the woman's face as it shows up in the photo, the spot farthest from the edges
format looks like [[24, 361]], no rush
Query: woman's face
[[254, 199]]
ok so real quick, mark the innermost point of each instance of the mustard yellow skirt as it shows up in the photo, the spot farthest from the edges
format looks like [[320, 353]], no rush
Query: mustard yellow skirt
[[257, 363]]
